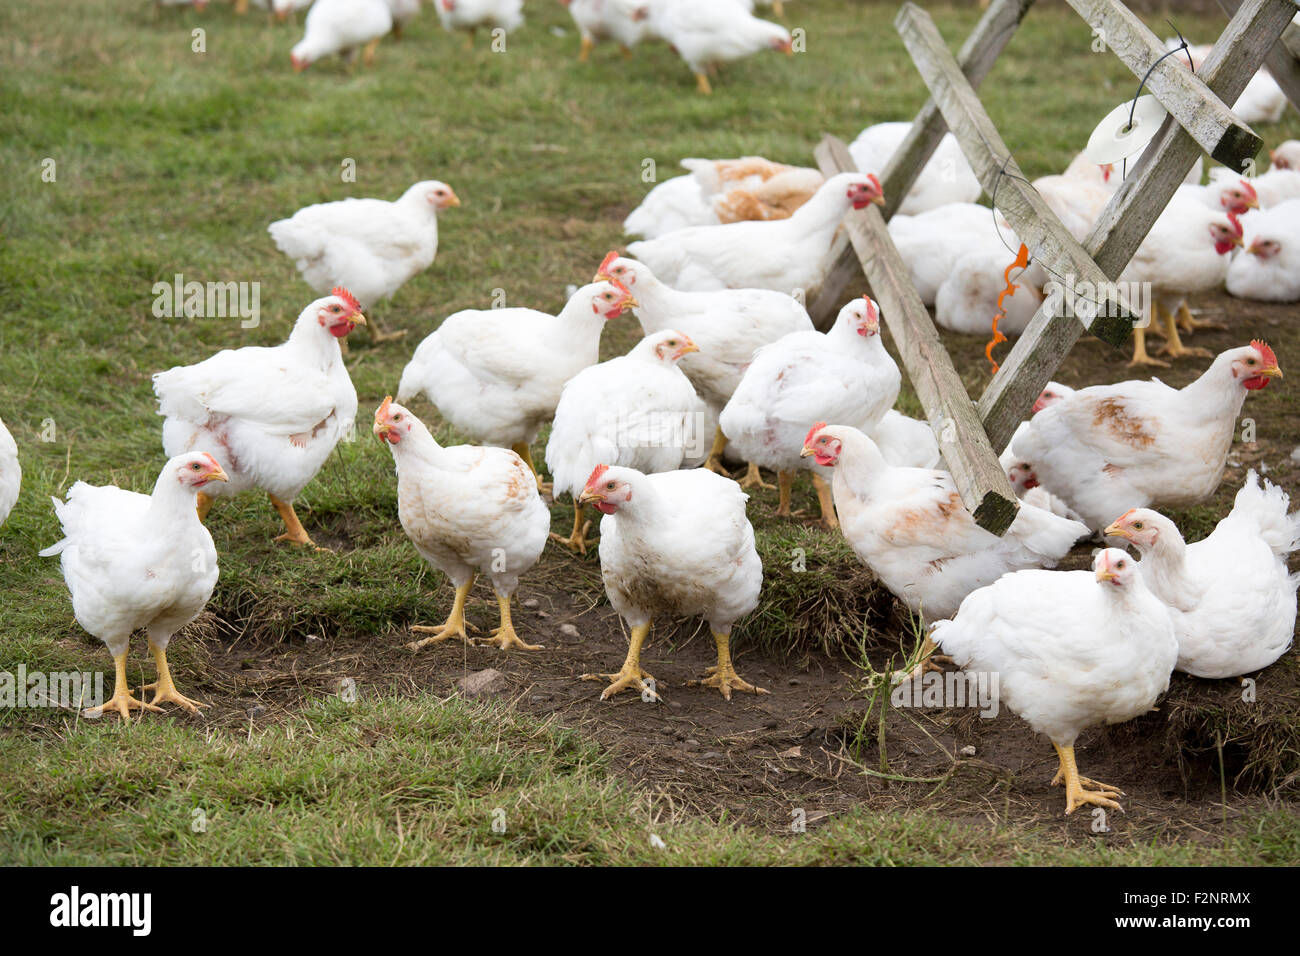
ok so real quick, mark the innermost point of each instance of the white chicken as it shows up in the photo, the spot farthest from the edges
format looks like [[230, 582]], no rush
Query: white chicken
[[1135, 444], [1231, 596], [910, 527], [1185, 253], [638, 410], [946, 178], [726, 325], [844, 375], [468, 510], [932, 243], [784, 255], [1268, 269], [708, 34], [1285, 156], [626, 22], [281, 9], [676, 203], [469, 15], [1021, 473], [1269, 189], [967, 299], [270, 416], [497, 374], [369, 246], [341, 26], [677, 544], [135, 561], [1070, 649], [11, 473]]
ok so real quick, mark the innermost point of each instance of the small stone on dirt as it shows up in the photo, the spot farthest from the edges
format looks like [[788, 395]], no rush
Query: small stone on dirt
[[794, 681], [690, 743], [568, 630], [531, 602], [255, 710], [795, 751], [482, 683], [967, 751]]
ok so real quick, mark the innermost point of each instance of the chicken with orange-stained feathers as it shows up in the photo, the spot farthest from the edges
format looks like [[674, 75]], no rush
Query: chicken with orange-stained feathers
[[271, 416], [468, 510], [1109, 448]]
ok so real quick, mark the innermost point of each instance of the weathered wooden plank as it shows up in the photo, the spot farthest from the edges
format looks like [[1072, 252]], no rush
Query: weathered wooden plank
[[982, 483], [1282, 60], [1180, 91], [976, 58], [1037, 226], [1127, 219]]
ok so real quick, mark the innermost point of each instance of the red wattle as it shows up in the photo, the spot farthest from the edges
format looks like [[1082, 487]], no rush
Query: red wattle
[[1256, 383]]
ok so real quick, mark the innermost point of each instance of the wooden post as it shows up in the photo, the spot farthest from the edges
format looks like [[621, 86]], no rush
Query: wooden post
[[1180, 91], [1049, 242], [977, 56], [1127, 219], [979, 477], [1283, 60]]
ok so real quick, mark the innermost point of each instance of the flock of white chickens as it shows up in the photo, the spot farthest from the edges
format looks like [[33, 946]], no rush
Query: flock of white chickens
[[705, 35], [730, 367]]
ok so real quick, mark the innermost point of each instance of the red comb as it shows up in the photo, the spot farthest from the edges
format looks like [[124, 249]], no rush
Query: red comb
[[813, 431], [382, 410], [876, 182], [1236, 223], [873, 310], [607, 261], [596, 475], [620, 287], [1270, 357], [1250, 189], [347, 297]]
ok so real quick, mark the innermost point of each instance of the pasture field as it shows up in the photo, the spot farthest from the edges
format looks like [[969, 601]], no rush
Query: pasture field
[[167, 161]]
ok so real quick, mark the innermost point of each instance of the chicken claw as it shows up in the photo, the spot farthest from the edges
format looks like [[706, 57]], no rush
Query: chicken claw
[[121, 701], [723, 675], [577, 540], [453, 627], [631, 674], [505, 637], [1081, 790], [164, 689], [754, 479], [294, 532]]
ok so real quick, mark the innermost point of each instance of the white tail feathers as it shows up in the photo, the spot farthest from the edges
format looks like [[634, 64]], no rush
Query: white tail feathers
[[1268, 507]]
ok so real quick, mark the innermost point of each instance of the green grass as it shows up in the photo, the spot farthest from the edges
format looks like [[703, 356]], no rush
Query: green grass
[[171, 161]]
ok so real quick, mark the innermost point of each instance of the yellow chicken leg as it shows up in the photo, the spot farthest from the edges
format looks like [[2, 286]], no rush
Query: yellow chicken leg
[[1140, 356], [121, 701], [454, 626], [929, 662], [1081, 790], [164, 689], [1189, 324], [631, 674], [294, 532], [1174, 346], [784, 484], [504, 637], [702, 84], [585, 52], [827, 502], [754, 478], [714, 464], [578, 540], [723, 675]]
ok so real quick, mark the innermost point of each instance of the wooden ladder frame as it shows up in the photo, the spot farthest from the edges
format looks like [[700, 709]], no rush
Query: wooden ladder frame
[[969, 432]]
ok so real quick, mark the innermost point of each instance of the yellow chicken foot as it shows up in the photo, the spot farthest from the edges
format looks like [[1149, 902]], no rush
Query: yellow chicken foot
[[204, 505], [294, 532], [827, 502], [454, 626], [785, 483], [585, 52], [723, 675], [1188, 324], [702, 84], [469, 39], [631, 674], [523, 451], [121, 701], [714, 464], [1140, 356], [1075, 792], [754, 478], [1174, 346], [626, 51], [778, 8], [241, 7], [578, 540], [164, 689], [504, 637]]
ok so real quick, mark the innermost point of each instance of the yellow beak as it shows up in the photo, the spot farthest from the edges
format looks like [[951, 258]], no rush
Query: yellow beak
[[879, 200], [1106, 574], [588, 496], [1117, 531], [630, 303], [219, 475], [1271, 372], [603, 277], [357, 319], [807, 452]]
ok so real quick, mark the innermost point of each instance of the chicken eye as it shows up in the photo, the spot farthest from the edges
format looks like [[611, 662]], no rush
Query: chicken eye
[[1137, 525], [397, 417], [609, 486], [194, 467], [1251, 362]]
